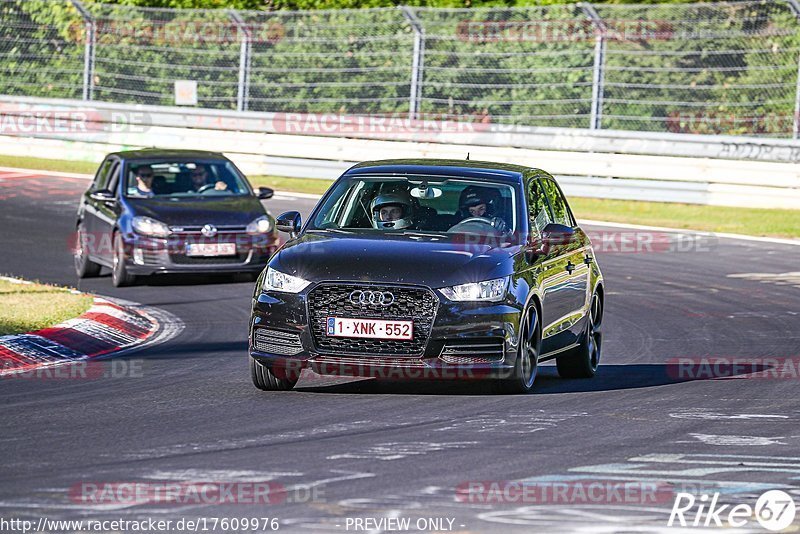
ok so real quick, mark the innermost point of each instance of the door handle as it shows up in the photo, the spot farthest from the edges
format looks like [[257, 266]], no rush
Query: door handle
[[570, 267]]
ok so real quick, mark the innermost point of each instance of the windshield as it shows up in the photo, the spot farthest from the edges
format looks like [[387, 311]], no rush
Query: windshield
[[417, 204], [183, 179]]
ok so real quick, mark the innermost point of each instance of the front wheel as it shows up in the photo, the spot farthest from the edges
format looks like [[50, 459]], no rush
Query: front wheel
[[120, 276], [527, 364], [84, 267], [582, 361], [265, 380]]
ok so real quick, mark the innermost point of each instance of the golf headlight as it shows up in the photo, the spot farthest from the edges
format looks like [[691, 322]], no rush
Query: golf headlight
[[262, 225], [278, 281], [151, 227], [488, 291]]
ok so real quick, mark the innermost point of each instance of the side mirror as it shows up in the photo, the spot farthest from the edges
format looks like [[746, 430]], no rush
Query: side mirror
[[289, 222], [103, 195], [264, 193], [553, 235], [558, 234]]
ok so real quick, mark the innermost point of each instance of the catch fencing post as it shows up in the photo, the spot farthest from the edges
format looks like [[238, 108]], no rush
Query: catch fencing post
[[88, 53], [598, 75], [794, 5], [244, 61], [417, 63]]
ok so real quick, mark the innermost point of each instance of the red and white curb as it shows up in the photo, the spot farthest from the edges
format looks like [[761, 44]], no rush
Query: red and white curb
[[109, 327]]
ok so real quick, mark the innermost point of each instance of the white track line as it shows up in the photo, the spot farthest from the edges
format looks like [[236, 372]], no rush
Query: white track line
[[781, 241]]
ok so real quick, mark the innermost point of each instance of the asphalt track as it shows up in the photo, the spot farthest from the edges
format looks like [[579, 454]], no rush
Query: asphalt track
[[393, 450]]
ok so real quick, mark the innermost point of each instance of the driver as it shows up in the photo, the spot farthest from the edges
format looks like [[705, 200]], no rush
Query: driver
[[144, 181], [200, 179], [392, 211], [476, 205]]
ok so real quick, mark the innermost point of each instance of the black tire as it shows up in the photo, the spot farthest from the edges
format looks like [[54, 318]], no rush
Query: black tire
[[84, 267], [265, 380], [120, 276], [527, 363], [583, 360]]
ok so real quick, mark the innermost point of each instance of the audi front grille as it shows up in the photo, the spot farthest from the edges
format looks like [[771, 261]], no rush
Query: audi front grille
[[415, 304]]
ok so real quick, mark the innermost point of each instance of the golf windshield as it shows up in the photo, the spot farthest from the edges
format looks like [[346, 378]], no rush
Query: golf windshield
[[183, 179]]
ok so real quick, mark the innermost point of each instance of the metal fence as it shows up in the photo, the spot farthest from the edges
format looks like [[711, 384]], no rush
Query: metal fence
[[723, 67]]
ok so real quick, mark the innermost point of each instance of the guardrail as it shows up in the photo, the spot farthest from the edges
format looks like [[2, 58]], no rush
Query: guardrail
[[713, 170]]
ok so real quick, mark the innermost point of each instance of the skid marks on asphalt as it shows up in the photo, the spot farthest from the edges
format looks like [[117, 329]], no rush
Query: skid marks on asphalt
[[400, 450], [780, 279], [527, 423]]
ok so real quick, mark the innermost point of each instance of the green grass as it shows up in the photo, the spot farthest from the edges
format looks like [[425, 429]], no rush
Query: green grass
[[43, 164], [297, 185], [28, 307], [749, 221]]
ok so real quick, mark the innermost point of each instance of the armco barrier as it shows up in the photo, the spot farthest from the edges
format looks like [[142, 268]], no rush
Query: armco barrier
[[712, 170]]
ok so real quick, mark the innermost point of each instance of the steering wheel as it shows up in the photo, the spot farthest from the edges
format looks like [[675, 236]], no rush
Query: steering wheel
[[475, 224], [206, 187]]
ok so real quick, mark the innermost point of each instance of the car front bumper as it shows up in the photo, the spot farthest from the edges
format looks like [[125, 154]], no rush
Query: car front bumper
[[467, 340], [147, 256]]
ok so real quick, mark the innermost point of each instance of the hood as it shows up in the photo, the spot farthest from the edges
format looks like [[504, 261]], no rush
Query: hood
[[431, 260], [233, 210]]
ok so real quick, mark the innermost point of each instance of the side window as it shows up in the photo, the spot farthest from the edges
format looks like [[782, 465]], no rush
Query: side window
[[103, 173], [114, 180], [538, 214], [561, 213]]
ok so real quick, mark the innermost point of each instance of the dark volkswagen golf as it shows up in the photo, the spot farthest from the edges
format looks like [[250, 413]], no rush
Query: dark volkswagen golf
[[172, 211], [429, 268]]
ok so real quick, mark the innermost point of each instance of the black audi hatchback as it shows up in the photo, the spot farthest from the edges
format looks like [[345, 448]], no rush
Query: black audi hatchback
[[172, 211], [410, 269]]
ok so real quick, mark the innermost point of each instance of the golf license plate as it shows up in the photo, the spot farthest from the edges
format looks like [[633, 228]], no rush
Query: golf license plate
[[370, 328], [211, 249]]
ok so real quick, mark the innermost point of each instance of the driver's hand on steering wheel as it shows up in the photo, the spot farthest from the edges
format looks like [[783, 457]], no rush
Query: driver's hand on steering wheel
[[221, 186]]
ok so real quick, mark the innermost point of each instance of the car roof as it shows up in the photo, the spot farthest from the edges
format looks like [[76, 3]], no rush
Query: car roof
[[478, 170], [155, 153]]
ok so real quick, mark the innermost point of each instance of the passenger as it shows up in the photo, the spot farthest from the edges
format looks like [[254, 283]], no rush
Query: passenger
[[200, 179], [144, 181], [392, 211]]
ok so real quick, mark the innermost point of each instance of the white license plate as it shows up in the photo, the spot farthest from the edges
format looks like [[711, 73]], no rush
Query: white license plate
[[370, 328], [211, 249]]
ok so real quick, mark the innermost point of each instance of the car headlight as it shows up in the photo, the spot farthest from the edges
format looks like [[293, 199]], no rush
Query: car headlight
[[262, 225], [151, 227], [487, 291], [278, 281]]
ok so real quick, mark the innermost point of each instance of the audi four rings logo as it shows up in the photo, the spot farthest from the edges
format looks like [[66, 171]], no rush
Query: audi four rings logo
[[373, 298]]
